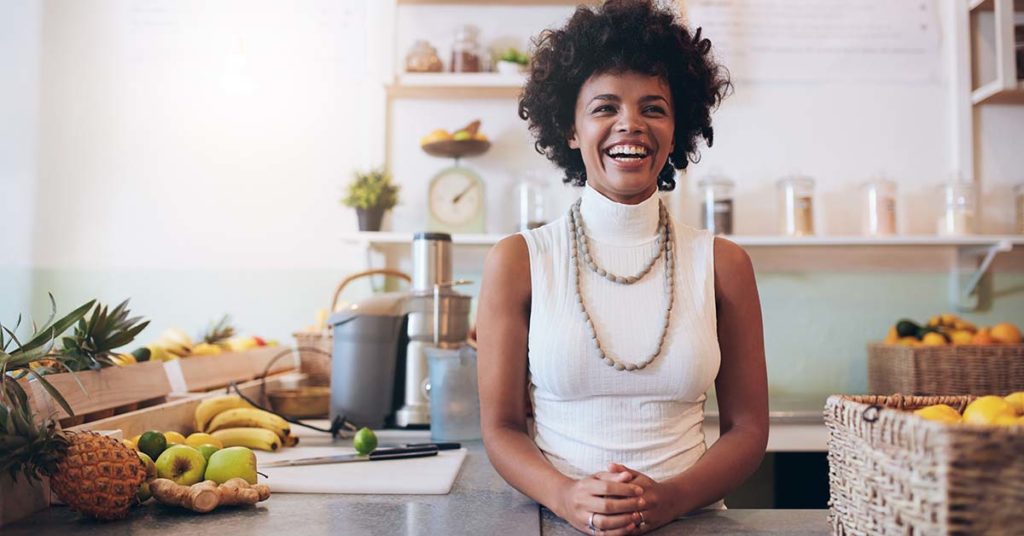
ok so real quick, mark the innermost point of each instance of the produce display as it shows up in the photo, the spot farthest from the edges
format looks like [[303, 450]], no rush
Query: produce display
[[948, 329], [174, 343], [234, 422], [985, 410]]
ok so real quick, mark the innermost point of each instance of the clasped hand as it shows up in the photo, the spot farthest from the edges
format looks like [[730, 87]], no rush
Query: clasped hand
[[622, 501]]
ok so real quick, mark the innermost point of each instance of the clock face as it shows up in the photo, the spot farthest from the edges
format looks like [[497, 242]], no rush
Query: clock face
[[456, 196]]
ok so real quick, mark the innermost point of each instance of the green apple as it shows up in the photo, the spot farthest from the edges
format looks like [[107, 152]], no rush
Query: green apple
[[232, 462], [207, 450], [182, 464]]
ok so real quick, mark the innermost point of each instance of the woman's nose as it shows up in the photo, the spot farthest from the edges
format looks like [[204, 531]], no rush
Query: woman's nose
[[630, 121]]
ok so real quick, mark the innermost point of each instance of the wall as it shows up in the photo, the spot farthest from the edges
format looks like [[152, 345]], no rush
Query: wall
[[20, 27], [190, 156]]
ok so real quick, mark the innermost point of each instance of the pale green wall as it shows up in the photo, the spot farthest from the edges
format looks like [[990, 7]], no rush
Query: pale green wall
[[816, 324]]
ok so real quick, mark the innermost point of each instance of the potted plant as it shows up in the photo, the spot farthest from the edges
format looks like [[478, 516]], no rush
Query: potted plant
[[372, 194], [512, 61]]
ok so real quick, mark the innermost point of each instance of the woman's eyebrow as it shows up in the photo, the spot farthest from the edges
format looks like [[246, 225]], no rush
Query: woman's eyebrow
[[650, 98], [606, 97]]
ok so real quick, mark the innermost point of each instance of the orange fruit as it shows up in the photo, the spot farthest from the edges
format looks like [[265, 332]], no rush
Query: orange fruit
[[933, 339], [961, 337], [939, 413], [1006, 333], [892, 337], [986, 409], [982, 337]]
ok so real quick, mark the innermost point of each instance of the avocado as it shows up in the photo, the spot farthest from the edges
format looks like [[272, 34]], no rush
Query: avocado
[[141, 354], [908, 328]]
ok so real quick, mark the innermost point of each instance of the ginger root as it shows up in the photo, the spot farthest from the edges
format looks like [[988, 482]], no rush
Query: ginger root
[[205, 496]]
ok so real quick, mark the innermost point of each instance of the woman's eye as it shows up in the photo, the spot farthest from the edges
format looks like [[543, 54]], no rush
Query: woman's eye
[[604, 108], [654, 109]]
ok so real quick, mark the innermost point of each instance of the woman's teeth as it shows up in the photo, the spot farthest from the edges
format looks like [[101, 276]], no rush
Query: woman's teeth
[[627, 152]]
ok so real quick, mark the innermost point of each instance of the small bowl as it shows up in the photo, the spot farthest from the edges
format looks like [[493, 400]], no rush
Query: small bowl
[[457, 148], [302, 402]]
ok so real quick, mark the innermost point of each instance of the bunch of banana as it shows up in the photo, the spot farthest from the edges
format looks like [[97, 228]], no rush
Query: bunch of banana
[[235, 422]]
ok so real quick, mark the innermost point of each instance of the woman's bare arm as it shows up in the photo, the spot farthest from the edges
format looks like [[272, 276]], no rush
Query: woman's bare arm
[[502, 332], [742, 388]]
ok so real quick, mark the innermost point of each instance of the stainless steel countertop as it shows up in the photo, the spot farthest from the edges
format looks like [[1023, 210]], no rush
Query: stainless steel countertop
[[480, 503], [782, 409]]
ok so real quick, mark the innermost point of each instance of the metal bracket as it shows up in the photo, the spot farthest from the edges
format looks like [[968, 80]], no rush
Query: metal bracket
[[966, 288]]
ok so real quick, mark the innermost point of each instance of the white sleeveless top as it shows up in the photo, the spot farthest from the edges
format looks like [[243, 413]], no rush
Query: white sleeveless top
[[586, 413]]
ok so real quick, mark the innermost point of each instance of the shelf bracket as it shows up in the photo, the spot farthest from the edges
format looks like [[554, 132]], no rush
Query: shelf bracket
[[967, 281]]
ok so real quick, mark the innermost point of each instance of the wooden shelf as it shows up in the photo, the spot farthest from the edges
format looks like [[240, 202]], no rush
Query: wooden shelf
[[499, 2], [367, 238], [456, 85], [994, 93]]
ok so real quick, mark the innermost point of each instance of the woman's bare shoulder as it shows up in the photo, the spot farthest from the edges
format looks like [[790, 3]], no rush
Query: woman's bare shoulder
[[507, 266], [733, 268]]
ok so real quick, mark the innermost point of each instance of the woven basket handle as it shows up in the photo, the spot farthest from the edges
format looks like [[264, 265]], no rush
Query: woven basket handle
[[378, 271]]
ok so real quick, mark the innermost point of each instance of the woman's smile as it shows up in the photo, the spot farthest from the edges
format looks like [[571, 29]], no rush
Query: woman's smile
[[624, 129]]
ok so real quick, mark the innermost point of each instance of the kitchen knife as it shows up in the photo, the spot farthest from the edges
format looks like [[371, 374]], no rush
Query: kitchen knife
[[383, 454], [438, 446]]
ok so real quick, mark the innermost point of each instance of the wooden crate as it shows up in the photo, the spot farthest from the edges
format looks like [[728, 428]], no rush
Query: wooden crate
[[202, 373], [97, 394], [177, 414]]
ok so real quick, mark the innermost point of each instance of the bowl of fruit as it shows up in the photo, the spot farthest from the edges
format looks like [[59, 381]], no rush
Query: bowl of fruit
[[466, 141]]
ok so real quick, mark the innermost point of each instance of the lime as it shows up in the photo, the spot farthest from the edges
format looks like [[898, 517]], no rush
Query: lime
[[364, 441], [152, 443]]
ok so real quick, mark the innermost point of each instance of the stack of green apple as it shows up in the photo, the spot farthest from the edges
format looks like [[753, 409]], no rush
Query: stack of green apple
[[190, 460]]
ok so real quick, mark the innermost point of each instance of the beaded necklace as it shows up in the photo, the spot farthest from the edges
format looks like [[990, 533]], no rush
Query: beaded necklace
[[578, 242]]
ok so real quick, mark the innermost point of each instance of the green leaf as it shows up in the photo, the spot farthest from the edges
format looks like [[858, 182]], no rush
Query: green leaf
[[54, 393], [51, 332]]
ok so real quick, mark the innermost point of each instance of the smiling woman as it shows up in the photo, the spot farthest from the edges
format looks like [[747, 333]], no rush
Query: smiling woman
[[614, 319]]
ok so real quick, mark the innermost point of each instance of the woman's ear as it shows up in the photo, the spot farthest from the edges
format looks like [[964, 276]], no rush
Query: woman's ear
[[573, 142]]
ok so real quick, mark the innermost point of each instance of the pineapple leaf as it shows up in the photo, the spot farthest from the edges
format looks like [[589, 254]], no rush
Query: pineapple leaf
[[53, 392], [52, 331], [12, 335]]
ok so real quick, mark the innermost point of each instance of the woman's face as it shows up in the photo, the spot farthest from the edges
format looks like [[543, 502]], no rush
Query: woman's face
[[625, 131]]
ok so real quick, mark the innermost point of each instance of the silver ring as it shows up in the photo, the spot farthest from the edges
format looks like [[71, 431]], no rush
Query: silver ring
[[642, 520], [590, 524]]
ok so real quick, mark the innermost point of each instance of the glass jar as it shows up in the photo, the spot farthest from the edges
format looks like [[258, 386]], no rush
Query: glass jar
[[797, 203], [958, 214], [879, 218], [467, 56], [1018, 197], [531, 194], [423, 58], [716, 205]]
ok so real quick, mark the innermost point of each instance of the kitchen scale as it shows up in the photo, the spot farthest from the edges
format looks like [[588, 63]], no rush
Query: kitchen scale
[[455, 196]]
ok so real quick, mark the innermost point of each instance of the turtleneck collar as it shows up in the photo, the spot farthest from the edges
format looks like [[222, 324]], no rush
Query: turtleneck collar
[[618, 224]]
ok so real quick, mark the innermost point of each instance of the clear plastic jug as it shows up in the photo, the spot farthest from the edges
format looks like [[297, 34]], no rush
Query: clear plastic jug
[[454, 399]]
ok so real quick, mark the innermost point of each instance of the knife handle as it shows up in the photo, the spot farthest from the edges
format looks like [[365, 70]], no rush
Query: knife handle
[[402, 453], [438, 446]]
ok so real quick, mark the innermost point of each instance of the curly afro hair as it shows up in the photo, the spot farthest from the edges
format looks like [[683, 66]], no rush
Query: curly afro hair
[[621, 36]]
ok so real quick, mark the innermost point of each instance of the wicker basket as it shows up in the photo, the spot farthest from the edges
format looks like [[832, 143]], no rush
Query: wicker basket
[[892, 472], [948, 370], [315, 347]]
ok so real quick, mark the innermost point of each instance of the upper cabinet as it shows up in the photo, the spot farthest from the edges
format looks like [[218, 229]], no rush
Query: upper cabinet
[[996, 28]]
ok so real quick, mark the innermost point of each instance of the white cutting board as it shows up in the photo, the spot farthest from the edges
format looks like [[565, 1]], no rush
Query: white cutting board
[[432, 475]]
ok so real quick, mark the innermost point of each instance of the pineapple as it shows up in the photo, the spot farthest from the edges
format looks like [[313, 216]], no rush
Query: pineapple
[[92, 344], [93, 474], [219, 333]]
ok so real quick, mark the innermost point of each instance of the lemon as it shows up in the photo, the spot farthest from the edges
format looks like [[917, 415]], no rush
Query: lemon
[[365, 441], [1006, 420], [987, 409], [939, 413], [197, 439], [933, 339], [909, 341], [1017, 401], [174, 438], [961, 336], [893, 336]]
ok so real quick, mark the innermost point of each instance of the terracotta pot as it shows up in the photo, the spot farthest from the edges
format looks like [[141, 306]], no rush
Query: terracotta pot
[[370, 218]]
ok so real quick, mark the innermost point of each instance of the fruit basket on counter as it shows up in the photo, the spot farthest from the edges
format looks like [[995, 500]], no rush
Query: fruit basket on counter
[[894, 472], [947, 356]]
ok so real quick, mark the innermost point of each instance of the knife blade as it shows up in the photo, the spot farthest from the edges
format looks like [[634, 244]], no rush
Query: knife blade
[[377, 455], [438, 446]]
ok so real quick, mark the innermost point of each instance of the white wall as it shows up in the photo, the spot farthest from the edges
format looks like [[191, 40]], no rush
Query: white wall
[[185, 142], [20, 27]]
